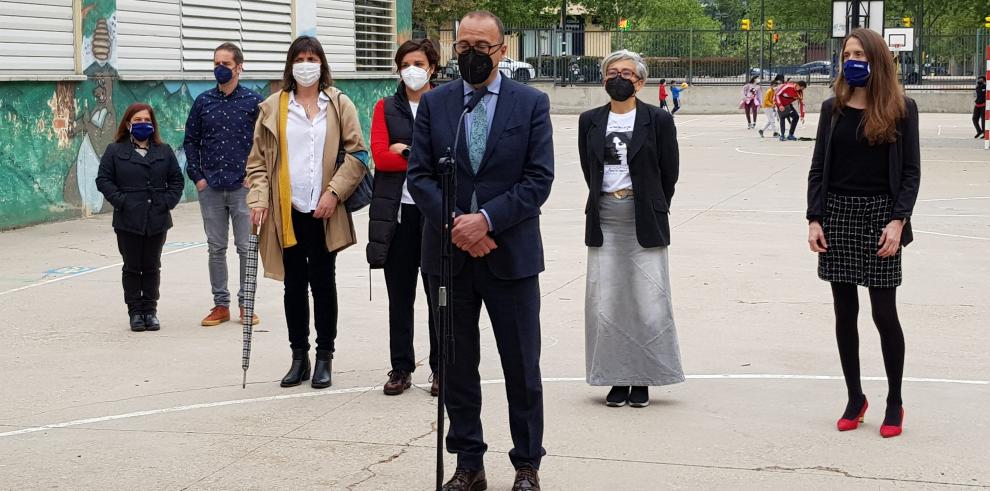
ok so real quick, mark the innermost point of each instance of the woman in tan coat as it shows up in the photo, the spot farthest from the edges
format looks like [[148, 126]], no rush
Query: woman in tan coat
[[307, 159]]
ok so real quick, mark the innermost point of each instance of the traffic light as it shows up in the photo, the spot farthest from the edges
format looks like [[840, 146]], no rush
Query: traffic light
[[745, 24], [776, 37], [623, 24], [769, 24], [906, 21], [986, 22]]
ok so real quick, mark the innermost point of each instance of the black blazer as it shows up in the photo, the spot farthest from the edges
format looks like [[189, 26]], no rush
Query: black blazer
[[142, 190], [904, 167], [653, 166]]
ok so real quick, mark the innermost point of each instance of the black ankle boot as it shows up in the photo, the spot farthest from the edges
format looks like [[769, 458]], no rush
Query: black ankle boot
[[299, 371], [321, 372], [137, 323]]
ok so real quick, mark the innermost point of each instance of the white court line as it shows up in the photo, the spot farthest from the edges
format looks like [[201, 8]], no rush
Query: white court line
[[234, 402], [740, 150], [90, 271], [956, 161], [953, 199], [951, 235]]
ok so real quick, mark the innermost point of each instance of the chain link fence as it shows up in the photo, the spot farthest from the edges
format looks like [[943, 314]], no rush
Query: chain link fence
[[941, 60]]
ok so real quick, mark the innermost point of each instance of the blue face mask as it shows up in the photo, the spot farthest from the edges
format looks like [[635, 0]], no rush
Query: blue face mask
[[142, 131], [857, 73], [223, 74]]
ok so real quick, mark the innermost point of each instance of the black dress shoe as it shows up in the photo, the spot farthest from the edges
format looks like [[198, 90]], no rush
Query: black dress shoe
[[465, 480], [618, 396], [527, 479], [299, 371], [151, 322], [639, 396], [321, 372], [137, 323]]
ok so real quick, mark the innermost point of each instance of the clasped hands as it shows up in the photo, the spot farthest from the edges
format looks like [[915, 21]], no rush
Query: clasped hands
[[470, 234]]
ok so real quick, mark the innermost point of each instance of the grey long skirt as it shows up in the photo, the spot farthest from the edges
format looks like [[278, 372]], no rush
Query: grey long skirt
[[630, 338]]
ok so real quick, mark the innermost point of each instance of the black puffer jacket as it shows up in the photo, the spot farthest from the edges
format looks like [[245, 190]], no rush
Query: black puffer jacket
[[142, 190], [386, 196]]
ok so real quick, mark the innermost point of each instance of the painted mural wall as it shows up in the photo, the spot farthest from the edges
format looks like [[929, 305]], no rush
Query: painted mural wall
[[53, 134]]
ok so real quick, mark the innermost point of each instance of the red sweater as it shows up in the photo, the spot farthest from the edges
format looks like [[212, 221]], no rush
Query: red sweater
[[663, 91], [385, 161]]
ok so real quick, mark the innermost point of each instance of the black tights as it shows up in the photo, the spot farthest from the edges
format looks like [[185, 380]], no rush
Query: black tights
[[884, 306]]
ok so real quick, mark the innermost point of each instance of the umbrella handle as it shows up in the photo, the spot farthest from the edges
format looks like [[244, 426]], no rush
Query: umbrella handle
[[256, 229]]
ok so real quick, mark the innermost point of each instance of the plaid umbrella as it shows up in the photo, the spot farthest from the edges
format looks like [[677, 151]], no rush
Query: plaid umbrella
[[250, 286]]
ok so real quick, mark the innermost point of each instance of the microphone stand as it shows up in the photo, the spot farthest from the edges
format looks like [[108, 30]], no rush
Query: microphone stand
[[447, 170]]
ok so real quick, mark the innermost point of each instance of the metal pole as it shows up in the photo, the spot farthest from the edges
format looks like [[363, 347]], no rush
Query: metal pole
[[749, 73], [690, 79], [763, 34], [855, 14], [563, 43]]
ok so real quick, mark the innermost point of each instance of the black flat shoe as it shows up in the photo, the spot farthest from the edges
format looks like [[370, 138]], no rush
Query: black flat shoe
[[137, 323], [639, 396], [618, 396], [151, 322], [299, 370], [322, 369]]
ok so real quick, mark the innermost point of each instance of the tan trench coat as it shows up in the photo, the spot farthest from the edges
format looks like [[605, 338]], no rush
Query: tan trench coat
[[262, 173]]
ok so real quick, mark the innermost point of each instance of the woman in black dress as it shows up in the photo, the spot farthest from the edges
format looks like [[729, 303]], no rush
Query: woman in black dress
[[140, 177], [862, 188]]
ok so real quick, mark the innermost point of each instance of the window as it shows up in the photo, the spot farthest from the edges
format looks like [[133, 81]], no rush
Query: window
[[375, 34], [148, 36], [335, 29], [36, 37]]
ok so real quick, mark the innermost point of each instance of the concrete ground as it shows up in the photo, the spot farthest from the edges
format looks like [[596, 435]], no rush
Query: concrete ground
[[87, 404]]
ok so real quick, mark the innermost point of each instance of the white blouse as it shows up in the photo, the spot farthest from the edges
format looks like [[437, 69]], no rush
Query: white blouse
[[305, 147]]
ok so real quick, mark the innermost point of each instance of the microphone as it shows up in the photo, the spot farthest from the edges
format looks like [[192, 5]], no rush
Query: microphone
[[476, 97]]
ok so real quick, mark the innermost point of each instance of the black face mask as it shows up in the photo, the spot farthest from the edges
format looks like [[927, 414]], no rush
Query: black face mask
[[620, 89], [475, 67]]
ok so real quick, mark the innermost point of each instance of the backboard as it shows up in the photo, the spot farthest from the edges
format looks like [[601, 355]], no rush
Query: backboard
[[899, 39], [870, 15]]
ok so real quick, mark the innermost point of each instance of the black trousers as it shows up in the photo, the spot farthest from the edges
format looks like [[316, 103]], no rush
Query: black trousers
[[401, 277], [979, 119], [788, 114], [141, 273], [677, 106], [310, 267], [514, 309]]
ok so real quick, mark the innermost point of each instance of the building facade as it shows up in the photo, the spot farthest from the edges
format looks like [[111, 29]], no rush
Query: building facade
[[69, 69]]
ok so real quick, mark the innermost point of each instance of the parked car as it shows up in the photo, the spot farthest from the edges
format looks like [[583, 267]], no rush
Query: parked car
[[763, 74], [516, 70], [820, 67]]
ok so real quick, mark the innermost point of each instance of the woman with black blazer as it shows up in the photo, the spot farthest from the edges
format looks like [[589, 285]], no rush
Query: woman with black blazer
[[395, 225], [629, 157], [862, 188], [140, 177]]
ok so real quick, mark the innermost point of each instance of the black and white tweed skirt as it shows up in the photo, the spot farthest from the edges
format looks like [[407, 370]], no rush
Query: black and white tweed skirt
[[853, 226]]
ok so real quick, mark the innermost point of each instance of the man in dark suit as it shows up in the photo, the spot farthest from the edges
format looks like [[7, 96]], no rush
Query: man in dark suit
[[504, 171]]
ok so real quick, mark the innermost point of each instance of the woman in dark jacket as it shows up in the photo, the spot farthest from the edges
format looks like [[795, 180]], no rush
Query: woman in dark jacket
[[862, 188], [140, 177], [395, 224], [629, 156], [980, 106]]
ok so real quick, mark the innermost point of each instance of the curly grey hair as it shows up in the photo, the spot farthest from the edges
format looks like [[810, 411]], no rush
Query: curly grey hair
[[625, 54]]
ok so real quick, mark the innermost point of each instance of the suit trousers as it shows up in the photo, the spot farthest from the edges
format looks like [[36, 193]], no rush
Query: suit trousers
[[514, 309], [402, 275], [310, 267], [141, 273]]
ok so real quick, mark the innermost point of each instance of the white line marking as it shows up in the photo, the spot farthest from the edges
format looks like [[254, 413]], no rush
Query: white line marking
[[800, 212], [740, 150], [91, 271], [953, 199], [956, 161], [318, 393], [951, 235]]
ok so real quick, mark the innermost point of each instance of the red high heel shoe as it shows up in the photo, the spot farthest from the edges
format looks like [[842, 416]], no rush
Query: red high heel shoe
[[890, 431], [851, 424]]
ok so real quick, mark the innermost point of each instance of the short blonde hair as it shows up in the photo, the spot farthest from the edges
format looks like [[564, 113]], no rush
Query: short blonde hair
[[625, 54]]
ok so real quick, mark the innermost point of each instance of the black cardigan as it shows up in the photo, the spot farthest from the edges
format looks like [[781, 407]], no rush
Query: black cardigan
[[904, 164], [142, 190], [653, 166]]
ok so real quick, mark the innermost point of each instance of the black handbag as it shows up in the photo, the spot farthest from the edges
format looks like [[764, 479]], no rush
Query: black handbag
[[361, 196]]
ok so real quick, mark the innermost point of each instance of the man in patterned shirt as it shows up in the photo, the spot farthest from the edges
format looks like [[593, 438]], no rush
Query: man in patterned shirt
[[218, 139]]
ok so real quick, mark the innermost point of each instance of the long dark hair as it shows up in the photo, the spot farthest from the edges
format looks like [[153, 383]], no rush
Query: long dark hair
[[884, 96], [305, 44], [124, 133]]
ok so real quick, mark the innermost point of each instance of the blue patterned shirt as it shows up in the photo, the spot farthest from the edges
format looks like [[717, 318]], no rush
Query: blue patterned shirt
[[219, 134]]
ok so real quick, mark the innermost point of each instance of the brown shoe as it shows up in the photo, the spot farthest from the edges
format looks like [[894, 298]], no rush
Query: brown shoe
[[435, 388], [465, 480], [398, 382], [218, 315], [527, 479], [254, 318]]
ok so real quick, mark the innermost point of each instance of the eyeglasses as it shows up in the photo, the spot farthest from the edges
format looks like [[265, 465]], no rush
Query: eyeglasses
[[626, 74], [481, 47]]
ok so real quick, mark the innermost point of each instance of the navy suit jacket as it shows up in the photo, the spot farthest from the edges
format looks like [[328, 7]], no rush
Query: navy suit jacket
[[512, 182]]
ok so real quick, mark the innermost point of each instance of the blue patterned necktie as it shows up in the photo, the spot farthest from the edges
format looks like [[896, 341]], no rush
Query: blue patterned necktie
[[479, 139]]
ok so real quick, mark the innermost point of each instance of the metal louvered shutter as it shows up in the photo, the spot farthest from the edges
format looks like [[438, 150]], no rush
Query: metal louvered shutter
[[266, 33], [148, 36], [36, 37], [375, 35], [335, 29], [207, 24]]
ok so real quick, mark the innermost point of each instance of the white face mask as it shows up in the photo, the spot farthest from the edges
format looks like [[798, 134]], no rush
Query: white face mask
[[415, 77], [306, 74]]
